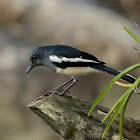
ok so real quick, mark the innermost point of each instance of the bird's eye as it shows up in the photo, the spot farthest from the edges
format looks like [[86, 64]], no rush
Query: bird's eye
[[33, 57]]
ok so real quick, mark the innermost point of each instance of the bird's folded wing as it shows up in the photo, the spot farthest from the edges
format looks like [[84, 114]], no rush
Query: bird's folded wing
[[73, 58]]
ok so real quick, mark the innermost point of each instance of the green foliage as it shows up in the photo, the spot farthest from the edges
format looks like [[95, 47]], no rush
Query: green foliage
[[121, 104], [134, 36]]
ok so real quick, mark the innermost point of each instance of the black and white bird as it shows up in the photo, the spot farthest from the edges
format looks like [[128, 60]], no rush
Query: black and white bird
[[71, 62]]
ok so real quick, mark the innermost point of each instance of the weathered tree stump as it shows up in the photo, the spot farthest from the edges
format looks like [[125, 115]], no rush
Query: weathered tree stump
[[67, 115]]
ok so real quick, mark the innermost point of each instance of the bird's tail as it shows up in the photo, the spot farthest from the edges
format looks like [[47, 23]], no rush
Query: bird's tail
[[128, 78]]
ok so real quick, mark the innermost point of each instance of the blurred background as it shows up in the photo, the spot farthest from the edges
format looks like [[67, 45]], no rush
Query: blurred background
[[94, 26]]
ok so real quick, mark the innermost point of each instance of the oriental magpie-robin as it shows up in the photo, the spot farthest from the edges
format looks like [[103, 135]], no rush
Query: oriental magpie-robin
[[70, 61]]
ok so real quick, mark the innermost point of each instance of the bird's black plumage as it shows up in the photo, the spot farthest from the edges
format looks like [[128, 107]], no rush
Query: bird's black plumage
[[69, 52], [62, 58]]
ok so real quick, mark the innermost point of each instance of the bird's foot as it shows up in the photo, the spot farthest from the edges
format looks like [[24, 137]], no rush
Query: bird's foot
[[58, 91], [53, 91]]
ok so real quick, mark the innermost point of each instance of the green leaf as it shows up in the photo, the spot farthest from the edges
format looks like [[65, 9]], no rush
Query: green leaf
[[128, 92], [134, 36], [122, 103], [104, 92], [124, 107], [114, 107], [107, 88], [122, 116], [111, 120]]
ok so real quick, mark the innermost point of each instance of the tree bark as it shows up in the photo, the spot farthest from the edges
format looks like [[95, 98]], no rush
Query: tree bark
[[67, 115]]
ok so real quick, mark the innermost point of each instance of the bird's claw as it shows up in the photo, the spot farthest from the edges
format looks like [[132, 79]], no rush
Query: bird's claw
[[56, 91]]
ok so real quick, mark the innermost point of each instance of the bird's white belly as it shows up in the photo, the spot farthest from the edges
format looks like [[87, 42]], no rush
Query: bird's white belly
[[76, 71]]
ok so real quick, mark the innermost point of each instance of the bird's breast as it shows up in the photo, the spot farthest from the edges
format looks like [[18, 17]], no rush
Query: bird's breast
[[76, 71]]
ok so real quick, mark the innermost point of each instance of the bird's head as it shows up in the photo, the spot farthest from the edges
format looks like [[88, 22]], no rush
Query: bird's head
[[36, 59]]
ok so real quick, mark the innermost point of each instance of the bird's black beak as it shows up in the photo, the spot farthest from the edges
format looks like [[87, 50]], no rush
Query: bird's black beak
[[29, 68]]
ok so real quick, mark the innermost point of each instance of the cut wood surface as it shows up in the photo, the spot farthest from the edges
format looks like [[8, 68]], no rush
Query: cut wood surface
[[67, 115]]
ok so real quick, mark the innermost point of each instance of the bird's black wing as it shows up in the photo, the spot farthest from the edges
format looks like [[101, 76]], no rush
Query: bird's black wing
[[70, 57]]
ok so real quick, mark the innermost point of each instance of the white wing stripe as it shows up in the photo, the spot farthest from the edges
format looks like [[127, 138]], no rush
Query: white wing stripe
[[55, 58]]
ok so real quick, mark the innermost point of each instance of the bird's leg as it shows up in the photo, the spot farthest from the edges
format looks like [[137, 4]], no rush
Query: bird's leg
[[64, 83], [57, 88], [75, 79]]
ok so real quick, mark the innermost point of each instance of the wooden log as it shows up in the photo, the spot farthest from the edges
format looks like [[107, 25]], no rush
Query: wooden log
[[67, 115]]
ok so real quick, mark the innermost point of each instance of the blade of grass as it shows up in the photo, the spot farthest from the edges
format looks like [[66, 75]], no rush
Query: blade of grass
[[115, 113], [100, 97], [107, 88], [122, 116], [122, 84], [114, 107], [110, 112], [124, 107], [121, 99], [121, 104], [134, 36]]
